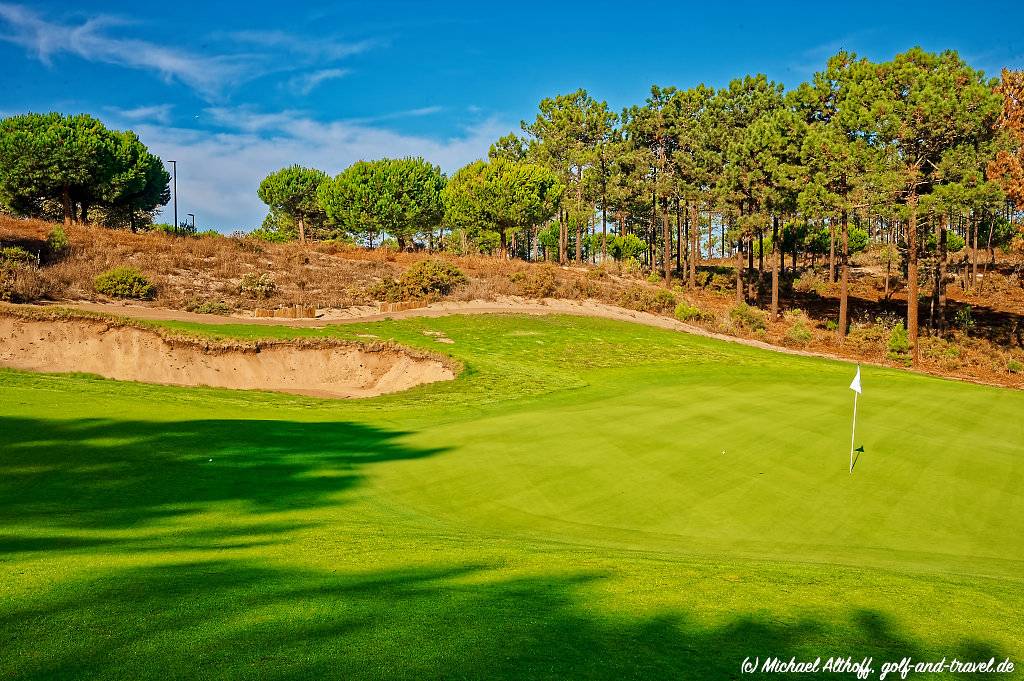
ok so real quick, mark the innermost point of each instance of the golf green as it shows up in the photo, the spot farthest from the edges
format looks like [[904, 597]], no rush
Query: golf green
[[588, 499]]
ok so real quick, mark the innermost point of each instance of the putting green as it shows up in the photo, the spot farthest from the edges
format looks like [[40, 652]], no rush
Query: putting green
[[589, 499]]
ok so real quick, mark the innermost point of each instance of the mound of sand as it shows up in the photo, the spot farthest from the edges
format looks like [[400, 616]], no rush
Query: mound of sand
[[130, 353]]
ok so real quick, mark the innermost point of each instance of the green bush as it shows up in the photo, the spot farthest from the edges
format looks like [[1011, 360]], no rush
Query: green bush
[[654, 277], [430, 278], [831, 325], [721, 282], [16, 256], [899, 343], [257, 285], [799, 334], [1014, 366], [209, 307], [124, 282], [748, 317], [964, 319], [57, 243], [686, 312], [645, 299], [387, 289]]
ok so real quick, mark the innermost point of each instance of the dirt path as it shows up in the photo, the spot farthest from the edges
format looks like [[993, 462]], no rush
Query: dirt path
[[503, 305]]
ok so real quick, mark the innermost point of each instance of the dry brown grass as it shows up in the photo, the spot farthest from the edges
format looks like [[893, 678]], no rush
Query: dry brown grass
[[190, 270]]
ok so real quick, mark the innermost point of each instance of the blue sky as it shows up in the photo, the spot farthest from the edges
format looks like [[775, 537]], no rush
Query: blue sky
[[234, 90]]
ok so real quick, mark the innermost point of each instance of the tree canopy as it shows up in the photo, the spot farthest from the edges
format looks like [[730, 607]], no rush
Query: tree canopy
[[501, 196], [78, 163], [293, 192], [399, 197]]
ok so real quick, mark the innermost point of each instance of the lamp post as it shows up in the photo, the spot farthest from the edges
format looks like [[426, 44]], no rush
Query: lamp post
[[193, 221], [174, 168]]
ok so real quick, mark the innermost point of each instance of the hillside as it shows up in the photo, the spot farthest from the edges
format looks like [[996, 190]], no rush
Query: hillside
[[983, 341]]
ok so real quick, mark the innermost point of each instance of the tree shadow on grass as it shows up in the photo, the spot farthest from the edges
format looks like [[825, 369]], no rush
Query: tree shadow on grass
[[107, 474], [241, 620]]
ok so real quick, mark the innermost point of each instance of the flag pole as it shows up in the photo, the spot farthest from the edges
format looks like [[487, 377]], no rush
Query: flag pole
[[853, 430]]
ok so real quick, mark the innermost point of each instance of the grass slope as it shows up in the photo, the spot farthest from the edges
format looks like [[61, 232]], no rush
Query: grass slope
[[589, 499]]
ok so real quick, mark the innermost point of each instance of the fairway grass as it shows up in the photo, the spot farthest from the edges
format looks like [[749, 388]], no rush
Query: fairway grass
[[588, 499]]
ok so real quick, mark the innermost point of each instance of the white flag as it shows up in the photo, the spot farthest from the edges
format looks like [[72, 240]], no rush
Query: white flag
[[855, 386]]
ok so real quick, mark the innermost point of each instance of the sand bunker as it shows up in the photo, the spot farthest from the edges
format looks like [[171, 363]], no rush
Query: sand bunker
[[129, 353]]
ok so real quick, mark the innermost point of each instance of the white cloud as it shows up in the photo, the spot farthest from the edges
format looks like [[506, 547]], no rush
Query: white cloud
[[305, 83], [90, 40], [161, 113], [218, 172], [321, 49], [93, 39]]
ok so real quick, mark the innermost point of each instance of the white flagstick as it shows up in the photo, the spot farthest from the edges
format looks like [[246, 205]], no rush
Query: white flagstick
[[853, 431], [855, 387]]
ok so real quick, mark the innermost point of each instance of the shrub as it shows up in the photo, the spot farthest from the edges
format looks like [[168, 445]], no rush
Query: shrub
[[430, 278], [124, 282], [721, 282], [536, 282], [16, 256], [208, 307], [748, 317], [810, 283], [899, 343], [686, 312], [257, 285], [964, 319], [831, 325], [1015, 366], [654, 277], [20, 284], [644, 299], [799, 334], [57, 243], [387, 289]]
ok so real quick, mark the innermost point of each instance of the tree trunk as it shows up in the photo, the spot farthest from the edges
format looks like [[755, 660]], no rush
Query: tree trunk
[[941, 283], [679, 238], [579, 243], [776, 262], [760, 253], [751, 290], [915, 354], [666, 259], [604, 233], [984, 266], [68, 211], [563, 238], [503, 252], [831, 251], [974, 250], [695, 249], [302, 230], [85, 213], [844, 286], [739, 270]]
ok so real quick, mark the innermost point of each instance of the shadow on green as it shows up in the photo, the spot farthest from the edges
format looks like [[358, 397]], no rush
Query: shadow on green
[[234, 619], [109, 474]]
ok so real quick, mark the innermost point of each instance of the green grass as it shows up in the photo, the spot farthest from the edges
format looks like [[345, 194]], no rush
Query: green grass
[[589, 499]]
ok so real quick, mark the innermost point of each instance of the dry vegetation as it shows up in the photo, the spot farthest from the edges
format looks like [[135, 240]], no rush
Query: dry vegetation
[[983, 343]]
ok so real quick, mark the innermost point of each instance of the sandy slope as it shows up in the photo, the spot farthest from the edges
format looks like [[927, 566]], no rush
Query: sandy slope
[[128, 353]]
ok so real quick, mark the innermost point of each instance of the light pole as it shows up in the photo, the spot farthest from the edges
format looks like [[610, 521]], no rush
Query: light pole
[[174, 167], [193, 221]]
